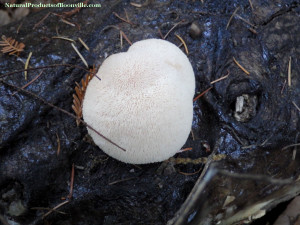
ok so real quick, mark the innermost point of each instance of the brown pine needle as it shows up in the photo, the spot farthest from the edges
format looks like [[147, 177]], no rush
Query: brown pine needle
[[29, 83], [84, 44], [118, 181], [63, 38], [26, 65], [189, 174], [81, 57], [184, 44], [125, 36], [124, 20], [241, 18], [290, 73], [121, 39], [160, 33], [173, 28], [203, 93], [241, 67], [136, 4], [184, 150], [297, 107], [67, 22], [126, 14], [251, 5], [233, 14], [41, 21], [45, 208], [72, 182], [252, 30], [58, 144], [56, 207], [221, 78], [193, 136], [283, 86], [289, 146]]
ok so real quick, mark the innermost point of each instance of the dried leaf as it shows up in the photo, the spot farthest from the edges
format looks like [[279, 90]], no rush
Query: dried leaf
[[11, 46]]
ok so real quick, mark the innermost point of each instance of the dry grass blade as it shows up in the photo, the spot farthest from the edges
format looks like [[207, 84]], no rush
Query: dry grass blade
[[11, 46], [79, 95]]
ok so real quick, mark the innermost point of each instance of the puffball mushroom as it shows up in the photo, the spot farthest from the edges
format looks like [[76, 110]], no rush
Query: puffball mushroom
[[143, 102]]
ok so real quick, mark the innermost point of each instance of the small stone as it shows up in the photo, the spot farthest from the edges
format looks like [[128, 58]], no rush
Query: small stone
[[195, 31], [16, 208]]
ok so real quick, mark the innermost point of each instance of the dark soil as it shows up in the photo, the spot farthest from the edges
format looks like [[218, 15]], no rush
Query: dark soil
[[107, 191]]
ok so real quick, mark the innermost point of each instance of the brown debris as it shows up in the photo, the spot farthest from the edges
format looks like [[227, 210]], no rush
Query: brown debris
[[72, 182], [201, 94], [79, 95], [184, 44], [11, 46], [124, 20], [241, 67]]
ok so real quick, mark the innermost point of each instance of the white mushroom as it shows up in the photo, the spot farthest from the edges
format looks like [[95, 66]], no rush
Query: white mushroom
[[144, 102]]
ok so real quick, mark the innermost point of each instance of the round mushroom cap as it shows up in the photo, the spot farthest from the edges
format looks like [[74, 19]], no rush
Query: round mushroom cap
[[143, 102]]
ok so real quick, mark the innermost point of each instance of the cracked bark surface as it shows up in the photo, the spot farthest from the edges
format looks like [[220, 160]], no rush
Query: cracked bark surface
[[109, 192]]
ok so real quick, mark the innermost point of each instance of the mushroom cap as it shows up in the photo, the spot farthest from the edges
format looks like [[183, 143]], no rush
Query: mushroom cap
[[144, 102]]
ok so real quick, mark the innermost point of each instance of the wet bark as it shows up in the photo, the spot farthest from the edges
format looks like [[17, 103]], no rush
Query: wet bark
[[110, 192]]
